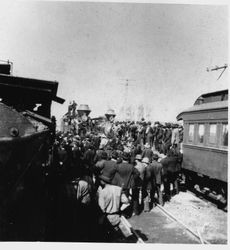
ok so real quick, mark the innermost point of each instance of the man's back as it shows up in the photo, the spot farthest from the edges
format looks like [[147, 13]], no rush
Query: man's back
[[169, 164], [155, 170], [109, 169], [147, 153], [109, 202], [124, 177]]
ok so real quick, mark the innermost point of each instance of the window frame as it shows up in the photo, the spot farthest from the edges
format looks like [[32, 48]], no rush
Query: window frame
[[216, 134], [193, 139], [198, 126], [222, 133]]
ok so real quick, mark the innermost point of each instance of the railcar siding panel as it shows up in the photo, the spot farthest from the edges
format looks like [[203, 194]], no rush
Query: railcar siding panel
[[207, 161], [207, 115]]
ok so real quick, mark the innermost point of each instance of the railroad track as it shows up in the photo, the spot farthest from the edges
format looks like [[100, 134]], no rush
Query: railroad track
[[200, 231], [205, 195], [208, 199], [172, 217]]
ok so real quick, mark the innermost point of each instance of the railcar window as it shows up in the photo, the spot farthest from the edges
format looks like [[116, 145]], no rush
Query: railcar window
[[212, 133], [191, 132], [201, 133], [225, 135]]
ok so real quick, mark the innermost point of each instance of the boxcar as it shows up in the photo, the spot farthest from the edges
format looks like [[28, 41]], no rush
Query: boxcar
[[205, 144]]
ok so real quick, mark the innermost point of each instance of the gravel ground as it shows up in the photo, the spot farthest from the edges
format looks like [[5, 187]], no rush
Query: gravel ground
[[155, 227], [200, 216]]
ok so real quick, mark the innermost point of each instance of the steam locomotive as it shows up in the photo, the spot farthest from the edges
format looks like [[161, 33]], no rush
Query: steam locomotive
[[26, 135]]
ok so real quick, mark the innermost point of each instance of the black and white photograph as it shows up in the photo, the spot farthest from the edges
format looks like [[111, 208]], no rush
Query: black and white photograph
[[114, 123]]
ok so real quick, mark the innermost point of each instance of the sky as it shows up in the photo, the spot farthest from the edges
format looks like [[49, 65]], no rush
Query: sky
[[91, 48]]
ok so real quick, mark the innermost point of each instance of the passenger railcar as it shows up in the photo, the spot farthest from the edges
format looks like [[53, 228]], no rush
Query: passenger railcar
[[205, 144]]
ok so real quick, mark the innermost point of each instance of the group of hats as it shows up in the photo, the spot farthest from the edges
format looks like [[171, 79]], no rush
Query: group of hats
[[146, 159]]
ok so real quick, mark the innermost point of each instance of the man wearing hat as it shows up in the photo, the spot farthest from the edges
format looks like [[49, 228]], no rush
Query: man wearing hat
[[109, 197], [167, 139], [109, 167], [154, 172], [88, 157], [124, 176], [101, 159], [139, 181], [171, 170], [145, 191], [109, 200], [147, 152], [175, 136], [141, 133], [149, 134], [159, 138]]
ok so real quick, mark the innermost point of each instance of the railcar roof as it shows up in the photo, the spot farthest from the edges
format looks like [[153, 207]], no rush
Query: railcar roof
[[216, 96], [220, 92], [11, 86], [204, 106]]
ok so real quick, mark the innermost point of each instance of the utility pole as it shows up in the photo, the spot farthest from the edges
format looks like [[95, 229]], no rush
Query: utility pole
[[218, 68], [127, 84]]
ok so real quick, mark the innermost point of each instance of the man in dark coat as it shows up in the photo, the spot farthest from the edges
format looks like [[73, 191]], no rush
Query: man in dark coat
[[167, 140], [153, 179], [110, 166], [137, 191], [125, 178], [141, 134], [159, 138], [170, 173], [147, 152], [149, 134], [102, 158], [88, 158], [133, 130], [126, 174]]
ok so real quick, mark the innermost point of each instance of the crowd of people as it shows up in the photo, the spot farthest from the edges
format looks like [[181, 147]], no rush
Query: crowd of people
[[103, 176]]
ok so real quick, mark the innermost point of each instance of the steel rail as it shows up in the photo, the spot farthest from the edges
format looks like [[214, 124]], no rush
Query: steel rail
[[169, 215], [208, 200]]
